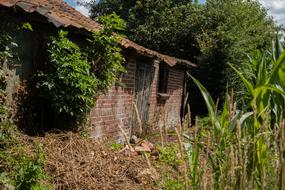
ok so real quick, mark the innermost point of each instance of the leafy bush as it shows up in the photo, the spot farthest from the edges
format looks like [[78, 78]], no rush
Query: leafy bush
[[6, 49], [7, 56], [105, 53], [74, 76], [29, 174], [8, 131], [8, 135], [67, 82], [21, 170]]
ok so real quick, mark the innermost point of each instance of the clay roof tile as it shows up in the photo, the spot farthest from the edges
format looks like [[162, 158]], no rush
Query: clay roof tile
[[61, 14]]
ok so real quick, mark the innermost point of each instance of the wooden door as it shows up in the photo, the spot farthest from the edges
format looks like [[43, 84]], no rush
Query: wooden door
[[144, 77]]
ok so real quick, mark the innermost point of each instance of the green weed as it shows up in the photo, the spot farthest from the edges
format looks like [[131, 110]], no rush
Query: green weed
[[169, 155], [173, 184], [116, 146]]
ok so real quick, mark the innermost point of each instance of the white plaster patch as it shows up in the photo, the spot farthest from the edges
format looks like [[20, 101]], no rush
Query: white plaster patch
[[97, 133]]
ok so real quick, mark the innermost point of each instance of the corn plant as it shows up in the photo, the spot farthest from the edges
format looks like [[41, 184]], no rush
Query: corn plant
[[266, 81], [222, 132], [237, 156], [244, 148]]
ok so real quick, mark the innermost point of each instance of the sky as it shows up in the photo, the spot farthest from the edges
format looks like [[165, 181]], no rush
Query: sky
[[276, 8]]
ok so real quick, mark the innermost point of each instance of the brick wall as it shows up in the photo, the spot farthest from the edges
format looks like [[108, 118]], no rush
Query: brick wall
[[171, 107], [116, 106], [175, 90]]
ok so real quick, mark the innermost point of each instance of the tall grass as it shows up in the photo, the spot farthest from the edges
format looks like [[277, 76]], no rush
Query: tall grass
[[244, 148]]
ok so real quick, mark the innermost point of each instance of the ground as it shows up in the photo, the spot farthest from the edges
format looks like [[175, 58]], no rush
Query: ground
[[74, 162]]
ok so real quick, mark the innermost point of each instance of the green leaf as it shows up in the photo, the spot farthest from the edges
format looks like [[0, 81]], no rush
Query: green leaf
[[247, 84], [209, 102]]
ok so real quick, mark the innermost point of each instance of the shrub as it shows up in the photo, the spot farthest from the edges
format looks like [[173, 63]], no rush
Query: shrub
[[67, 82], [105, 53], [29, 173], [74, 76]]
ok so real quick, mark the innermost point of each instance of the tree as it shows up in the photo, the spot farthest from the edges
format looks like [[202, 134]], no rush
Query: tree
[[230, 30], [212, 34], [159, 25]]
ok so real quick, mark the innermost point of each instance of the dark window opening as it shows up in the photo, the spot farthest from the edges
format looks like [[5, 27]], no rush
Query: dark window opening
[[163, 79]]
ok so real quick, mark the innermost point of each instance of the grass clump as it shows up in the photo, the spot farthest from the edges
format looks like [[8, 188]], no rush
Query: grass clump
[[168, 154], [116, 146], [20, 168]]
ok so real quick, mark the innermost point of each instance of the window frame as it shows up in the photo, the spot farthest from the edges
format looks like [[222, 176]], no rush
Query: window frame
[[163, 77]]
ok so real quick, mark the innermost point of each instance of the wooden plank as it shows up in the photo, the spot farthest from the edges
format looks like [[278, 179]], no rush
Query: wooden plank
[[144, 77]]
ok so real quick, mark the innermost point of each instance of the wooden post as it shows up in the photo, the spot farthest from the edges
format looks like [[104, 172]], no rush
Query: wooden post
[[138, 118]]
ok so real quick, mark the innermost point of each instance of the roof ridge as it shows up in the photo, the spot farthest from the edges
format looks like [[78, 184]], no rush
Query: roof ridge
[[61, 14]]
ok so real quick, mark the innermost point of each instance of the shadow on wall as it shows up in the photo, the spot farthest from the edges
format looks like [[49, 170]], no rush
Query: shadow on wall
[[34, 114]]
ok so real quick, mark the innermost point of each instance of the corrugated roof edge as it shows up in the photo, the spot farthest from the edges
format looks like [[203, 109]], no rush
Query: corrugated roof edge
[[61, 14]]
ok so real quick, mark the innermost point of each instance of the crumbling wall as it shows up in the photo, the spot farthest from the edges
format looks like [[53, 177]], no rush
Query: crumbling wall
[[115, 107], [175, 91], [168, 108]]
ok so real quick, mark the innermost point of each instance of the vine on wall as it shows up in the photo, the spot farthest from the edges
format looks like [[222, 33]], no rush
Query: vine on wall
[[104, 51], [74, 77]]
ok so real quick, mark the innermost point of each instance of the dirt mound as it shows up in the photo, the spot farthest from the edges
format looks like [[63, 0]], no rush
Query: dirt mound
[[75, 163]]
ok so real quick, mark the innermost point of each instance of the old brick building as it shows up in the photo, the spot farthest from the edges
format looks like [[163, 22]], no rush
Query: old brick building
[[154, 82]]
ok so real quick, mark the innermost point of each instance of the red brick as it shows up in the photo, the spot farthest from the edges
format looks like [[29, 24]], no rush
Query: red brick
[[116, 106]]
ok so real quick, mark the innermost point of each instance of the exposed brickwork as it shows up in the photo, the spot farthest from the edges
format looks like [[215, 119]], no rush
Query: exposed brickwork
[[116, 106], [175, 90], [171, 107]]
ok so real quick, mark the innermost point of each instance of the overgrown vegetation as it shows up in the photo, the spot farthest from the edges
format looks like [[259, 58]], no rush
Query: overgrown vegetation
[[243, 149], [105, 53], [238, 147], [74, 76], [67, 83], [18, 169], [212, 34]]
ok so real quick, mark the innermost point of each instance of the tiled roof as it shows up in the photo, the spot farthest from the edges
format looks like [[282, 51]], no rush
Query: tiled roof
[[61, 14]]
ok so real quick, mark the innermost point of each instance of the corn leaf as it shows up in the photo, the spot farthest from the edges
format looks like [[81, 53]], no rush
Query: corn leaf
[[209, 102]]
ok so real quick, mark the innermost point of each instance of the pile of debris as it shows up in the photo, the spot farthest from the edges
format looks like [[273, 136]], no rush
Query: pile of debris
[[77, 163], [139, 147]]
